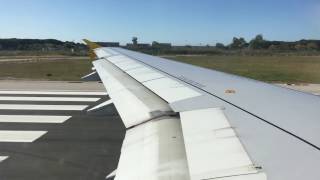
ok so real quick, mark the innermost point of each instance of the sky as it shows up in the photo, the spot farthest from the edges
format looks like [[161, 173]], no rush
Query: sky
[[180, 22]]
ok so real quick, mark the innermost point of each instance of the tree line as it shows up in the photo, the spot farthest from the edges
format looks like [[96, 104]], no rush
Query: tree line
[[43, 45], [256, 46], [259, 43]]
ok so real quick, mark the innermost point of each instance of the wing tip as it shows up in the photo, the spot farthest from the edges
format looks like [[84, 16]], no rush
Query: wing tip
[[92, 46]]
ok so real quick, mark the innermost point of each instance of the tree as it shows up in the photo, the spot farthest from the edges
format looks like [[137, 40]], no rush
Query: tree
[[242, 42], [259, 37], [257, 43], [238, 43], [135, 41], [220, 46], [155, 44]]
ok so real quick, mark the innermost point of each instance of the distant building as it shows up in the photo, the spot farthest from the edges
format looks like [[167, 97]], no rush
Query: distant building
[[143, 45], [109, 44], [161, 45], [140, 45]]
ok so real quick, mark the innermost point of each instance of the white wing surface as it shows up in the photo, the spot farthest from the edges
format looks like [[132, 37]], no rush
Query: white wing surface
[[186, 122]]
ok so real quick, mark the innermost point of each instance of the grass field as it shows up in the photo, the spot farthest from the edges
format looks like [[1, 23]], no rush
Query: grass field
[[57, 70], [287, 69]]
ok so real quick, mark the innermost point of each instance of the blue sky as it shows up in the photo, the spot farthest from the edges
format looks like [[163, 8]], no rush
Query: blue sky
[[177, 21]]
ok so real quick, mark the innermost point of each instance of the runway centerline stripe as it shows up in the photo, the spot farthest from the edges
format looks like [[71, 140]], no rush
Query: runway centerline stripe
[[20, 136], [2, 158], [42, 107], [55, 92], [17, 98], [33, 119]]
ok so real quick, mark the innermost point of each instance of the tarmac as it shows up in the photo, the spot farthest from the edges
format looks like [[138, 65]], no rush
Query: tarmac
[[304, 87], [24, 85], [46, 132]]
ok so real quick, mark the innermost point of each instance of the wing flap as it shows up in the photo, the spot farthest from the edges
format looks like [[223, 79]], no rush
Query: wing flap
[[152, 151], [213, 148]]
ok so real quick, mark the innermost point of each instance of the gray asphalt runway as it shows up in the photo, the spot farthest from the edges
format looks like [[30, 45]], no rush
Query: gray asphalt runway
[[50, 85], [84, 147]]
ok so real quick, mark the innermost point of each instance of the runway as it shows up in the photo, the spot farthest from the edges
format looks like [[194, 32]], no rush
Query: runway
[[49, 136]]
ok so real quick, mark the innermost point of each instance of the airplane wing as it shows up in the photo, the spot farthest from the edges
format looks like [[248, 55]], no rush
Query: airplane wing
[[187, 122]]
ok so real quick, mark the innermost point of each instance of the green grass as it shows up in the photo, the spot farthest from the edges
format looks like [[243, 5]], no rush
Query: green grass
[[57, 70], [288, 69]]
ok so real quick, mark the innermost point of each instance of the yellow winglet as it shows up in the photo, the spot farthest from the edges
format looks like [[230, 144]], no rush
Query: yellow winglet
[[92, 46]]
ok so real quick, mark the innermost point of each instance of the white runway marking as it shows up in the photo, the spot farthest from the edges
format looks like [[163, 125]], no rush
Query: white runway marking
[[101, 105], [77, 99], [20, 136], [33, 119], [42, 107], [2, 158], [55, 92]]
